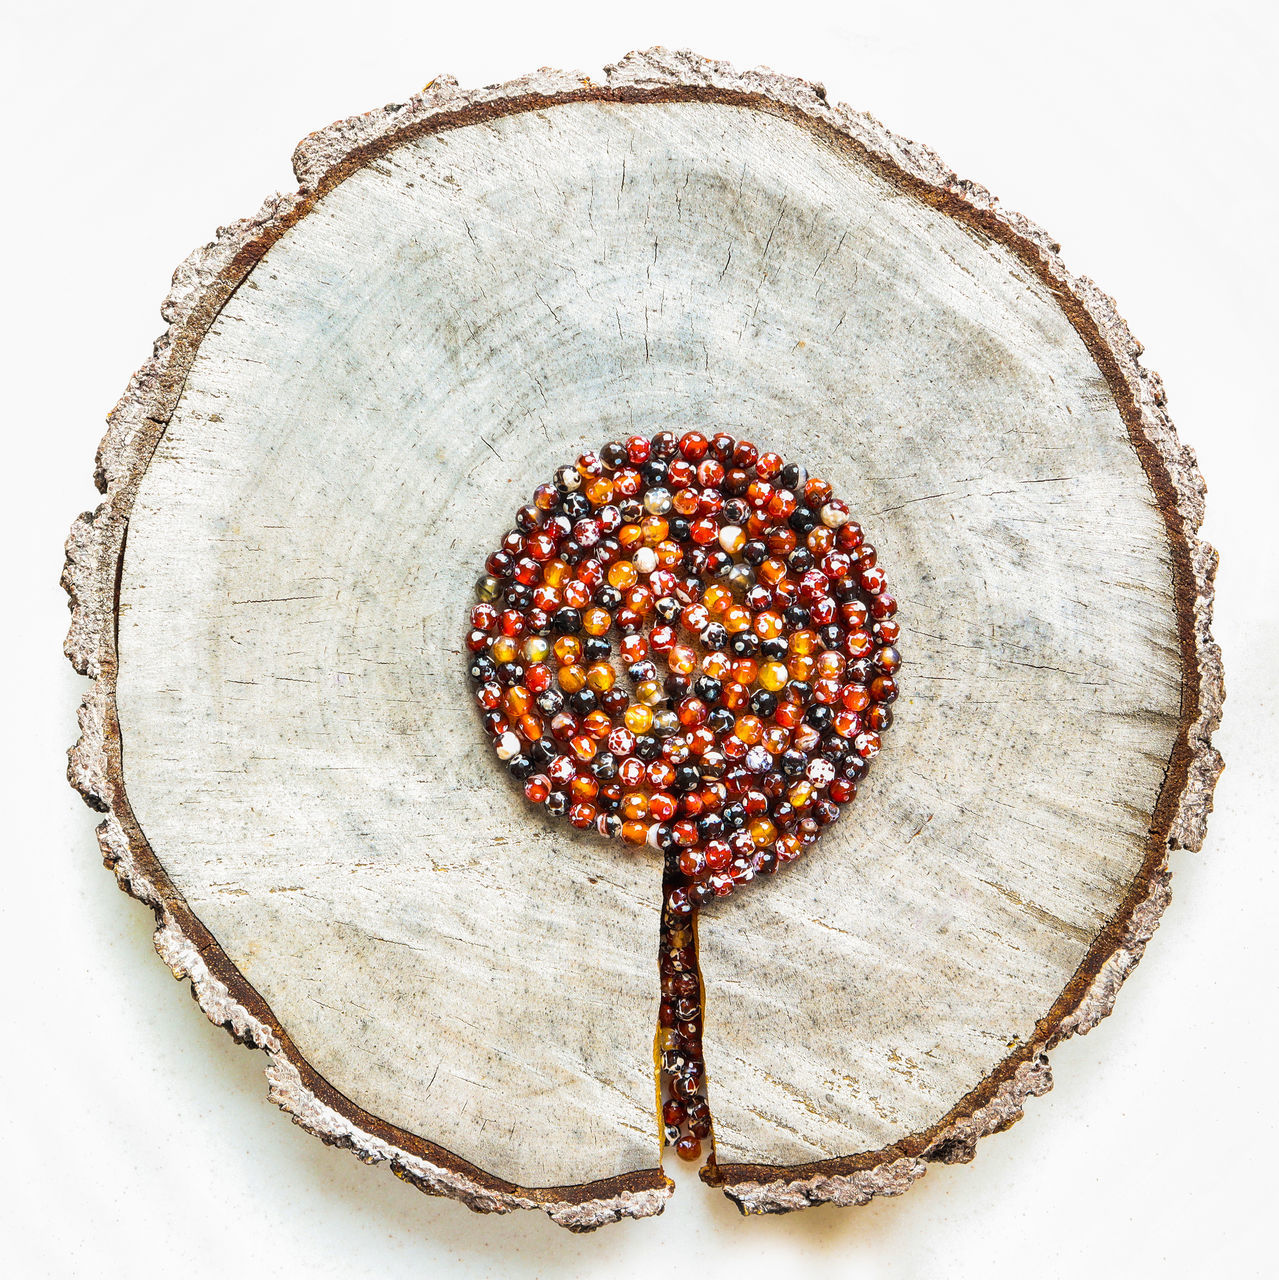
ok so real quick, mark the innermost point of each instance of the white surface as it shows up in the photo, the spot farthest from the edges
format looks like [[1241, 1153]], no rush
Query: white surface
[[127, 1108]]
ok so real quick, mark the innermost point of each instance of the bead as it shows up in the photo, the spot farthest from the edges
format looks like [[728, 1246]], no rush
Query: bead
[[657, 502], [773, 676]]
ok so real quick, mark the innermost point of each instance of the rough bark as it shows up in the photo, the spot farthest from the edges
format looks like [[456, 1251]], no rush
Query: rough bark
[[466, 288]]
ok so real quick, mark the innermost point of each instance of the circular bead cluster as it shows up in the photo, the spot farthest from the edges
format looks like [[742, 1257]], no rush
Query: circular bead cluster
[[687, 643]]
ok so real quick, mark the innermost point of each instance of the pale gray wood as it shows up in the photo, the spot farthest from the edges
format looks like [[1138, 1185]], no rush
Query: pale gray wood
[[442, 328]]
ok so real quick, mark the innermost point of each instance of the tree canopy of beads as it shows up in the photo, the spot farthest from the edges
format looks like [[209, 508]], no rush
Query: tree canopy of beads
[[687, 643]]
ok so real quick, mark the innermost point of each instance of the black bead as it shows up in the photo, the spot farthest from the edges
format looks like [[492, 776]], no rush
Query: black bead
[[734, 815], [687, 778], [720, 720], [596, 648], [755, 552], [793, 763], [567, 622], [517, 595], [604, 766], [647, 747], [819, 716], [715, 637], [774, 649], [521, 767], [613, 455], [679, 529], [763, 703], [708, 689], [575, 505], [608, 597], [804, 521], [797, 616], [745, 644], [583, 701], [675, 686], [510, 673], [550, 702], [483, 668], [542, 753], [653, 473], [793, 476], [557, 804], [800, 560], [710, 826]]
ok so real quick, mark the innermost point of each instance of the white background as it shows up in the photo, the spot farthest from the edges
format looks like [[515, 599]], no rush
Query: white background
[[138, 1137]]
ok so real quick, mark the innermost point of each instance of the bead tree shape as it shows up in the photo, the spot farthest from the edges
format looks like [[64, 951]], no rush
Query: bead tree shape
[[756, 637]]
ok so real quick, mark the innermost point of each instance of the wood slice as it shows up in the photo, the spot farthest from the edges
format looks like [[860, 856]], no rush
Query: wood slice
[[357, 388]]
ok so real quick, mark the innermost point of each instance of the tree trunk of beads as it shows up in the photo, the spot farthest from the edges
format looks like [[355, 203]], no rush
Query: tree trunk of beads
[[359, 388]]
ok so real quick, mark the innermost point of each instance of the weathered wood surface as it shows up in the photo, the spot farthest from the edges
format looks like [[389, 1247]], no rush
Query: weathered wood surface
[[357, 388]]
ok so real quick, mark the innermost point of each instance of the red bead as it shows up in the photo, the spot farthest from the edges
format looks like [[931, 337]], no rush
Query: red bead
[[693, 446], [638, 450], [692, 862], [883, 605], [873, 580], [582, 814], [768, 465], [685, 832]]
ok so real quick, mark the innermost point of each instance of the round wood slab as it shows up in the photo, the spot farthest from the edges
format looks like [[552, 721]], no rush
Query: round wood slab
[[357, 388]]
